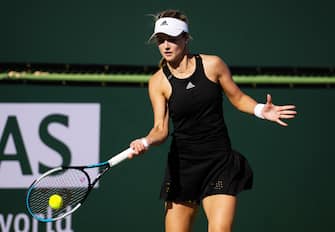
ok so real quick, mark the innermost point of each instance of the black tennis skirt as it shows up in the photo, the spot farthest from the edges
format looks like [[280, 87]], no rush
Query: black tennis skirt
[[195, 172]]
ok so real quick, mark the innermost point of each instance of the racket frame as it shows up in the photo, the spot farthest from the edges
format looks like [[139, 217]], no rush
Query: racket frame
[[107, 164]]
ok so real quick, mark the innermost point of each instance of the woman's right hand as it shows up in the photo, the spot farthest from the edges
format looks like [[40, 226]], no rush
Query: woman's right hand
[[139, 146]]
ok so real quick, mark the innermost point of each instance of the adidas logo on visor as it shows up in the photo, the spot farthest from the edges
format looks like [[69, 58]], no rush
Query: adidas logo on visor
[[164, 23]]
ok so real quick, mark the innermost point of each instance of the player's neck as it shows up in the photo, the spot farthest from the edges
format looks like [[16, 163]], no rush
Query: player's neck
[[183, 67]]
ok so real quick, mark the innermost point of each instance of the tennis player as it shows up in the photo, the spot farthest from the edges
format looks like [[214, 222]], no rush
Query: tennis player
[[202, 167]]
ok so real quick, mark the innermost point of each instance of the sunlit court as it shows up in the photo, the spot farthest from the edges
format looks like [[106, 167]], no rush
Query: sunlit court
[[168, 116]]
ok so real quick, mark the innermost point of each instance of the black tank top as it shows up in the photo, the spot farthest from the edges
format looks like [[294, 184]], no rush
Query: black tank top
[[195, 107]]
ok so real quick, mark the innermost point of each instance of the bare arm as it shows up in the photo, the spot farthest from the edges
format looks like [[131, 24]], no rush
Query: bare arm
[[159, 132], [218, 71], [157, 94]]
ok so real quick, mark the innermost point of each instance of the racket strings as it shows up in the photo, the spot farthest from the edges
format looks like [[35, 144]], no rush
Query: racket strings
[[71, 184]]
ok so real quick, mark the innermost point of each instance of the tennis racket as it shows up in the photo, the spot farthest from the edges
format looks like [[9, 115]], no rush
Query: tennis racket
[[72, 184]]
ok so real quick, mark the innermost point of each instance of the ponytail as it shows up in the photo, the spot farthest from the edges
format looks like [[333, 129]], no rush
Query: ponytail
[[162, 63]]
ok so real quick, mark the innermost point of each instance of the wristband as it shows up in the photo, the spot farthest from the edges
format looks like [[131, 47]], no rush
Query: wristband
[[258, 110], [145, 142]]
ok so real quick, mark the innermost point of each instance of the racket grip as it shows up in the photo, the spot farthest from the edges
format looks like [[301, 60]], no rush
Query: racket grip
[[120, 157]]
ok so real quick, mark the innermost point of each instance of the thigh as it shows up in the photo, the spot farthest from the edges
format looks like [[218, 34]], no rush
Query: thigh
[[220, 211], [179, 217]]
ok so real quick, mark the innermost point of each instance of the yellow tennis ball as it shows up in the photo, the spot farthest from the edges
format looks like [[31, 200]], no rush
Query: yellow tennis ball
[[55, 201]]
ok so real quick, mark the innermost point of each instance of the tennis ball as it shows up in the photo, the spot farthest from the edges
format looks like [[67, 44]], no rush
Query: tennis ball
[[55, 201]]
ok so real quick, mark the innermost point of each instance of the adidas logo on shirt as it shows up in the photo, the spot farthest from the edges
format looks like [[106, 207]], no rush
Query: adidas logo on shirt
[[190, 85]]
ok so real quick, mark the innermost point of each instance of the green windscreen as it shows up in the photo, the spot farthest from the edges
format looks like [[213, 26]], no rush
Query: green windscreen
[[244, 33]]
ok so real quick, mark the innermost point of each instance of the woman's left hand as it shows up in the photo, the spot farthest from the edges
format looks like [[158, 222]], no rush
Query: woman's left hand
[[276, 113]]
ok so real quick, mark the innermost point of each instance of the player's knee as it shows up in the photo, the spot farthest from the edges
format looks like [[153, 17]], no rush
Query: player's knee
[[179, 216], [219, 227]]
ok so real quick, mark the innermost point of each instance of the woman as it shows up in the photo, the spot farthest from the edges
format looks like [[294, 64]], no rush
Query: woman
[[202, 167]]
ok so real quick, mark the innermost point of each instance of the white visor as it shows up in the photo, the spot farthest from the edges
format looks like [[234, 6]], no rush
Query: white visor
[[169, 26]]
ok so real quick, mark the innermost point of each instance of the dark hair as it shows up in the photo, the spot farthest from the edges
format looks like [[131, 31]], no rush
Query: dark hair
[[173, 14]]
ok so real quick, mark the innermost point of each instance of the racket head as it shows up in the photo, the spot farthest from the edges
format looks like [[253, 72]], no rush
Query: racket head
[[71, 183]]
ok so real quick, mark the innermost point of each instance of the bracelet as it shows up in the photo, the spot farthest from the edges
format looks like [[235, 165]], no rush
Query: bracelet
[[258, 110], [145, 142]]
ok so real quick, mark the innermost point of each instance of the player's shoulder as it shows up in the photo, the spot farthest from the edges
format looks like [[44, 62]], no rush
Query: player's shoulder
[[158, 79], [157, 76], [214, 65], [212, 59]]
